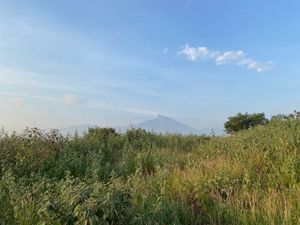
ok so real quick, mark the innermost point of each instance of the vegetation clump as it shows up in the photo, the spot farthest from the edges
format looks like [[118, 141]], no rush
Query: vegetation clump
[[252, 177], [244, 121]]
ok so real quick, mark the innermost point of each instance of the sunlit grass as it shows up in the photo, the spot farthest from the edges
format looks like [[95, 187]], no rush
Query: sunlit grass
[[252, 177]]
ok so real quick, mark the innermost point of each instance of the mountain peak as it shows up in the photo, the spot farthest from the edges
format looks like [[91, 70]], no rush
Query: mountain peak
[[160, 116], [164, 124], [159, 124]]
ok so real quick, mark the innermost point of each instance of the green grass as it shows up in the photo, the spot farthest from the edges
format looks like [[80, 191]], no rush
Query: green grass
[[252, 177]]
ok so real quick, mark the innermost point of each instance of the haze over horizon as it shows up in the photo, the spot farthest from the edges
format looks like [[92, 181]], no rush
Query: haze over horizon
[[114, 63]]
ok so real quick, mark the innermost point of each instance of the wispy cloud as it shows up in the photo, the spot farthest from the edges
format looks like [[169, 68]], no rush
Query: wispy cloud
[[70, 99], [74, 100], [74, 47], [17, 86], [16, 96], [165, 50], [19, 102], [136, 110], [234, 57], [19, 79]]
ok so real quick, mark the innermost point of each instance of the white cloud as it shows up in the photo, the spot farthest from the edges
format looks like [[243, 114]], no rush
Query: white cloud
[[73, 99], [190, 52], [221, 58], [231, 57], [165, 51]]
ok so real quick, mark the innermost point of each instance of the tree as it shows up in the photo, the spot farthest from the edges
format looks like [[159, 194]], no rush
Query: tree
[[244, 121]]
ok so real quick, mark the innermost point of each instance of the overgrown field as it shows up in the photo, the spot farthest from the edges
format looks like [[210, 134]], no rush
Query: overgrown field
[[252, 177]]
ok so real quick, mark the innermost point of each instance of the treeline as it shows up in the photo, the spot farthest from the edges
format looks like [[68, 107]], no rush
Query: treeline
[[246, 121]]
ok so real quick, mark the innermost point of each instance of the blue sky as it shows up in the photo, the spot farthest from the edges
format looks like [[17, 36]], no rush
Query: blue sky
[[111, 63]]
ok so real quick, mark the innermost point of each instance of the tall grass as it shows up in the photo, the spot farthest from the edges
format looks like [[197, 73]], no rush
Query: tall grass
[[251, 177]]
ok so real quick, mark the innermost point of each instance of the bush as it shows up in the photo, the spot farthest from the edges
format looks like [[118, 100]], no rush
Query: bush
[[244, 121]]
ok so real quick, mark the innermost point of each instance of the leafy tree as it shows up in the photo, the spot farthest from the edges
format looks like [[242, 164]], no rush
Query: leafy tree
[[244, 121]]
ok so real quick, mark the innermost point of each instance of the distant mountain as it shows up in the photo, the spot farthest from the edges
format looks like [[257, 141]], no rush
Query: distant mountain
[[160, 124], [164, 124]]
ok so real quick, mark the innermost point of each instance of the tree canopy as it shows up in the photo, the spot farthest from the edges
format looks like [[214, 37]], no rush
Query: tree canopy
[[244, 121]]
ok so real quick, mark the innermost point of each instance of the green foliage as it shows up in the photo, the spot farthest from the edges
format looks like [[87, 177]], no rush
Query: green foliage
[[244, 121], [291, 116], [252, 177]]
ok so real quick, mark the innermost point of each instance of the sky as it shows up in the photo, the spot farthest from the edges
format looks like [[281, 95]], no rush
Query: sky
[[114, 63]]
